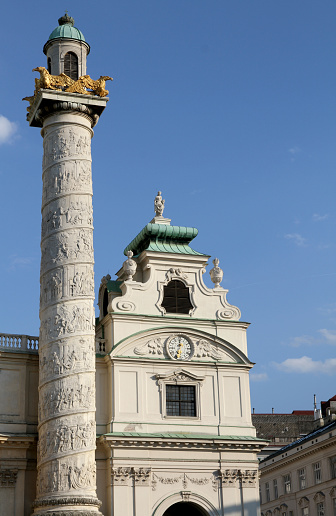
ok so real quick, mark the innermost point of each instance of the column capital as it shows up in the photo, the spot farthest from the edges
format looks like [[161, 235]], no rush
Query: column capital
[[48, 102]]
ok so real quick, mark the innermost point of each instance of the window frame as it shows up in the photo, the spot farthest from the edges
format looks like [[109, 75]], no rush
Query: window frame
[[178, 402], [317, 472], [302, 478], [73, 65], [267, 491], [333, 467], [275, 489], [287, 483], [180, 377], [320, 511]]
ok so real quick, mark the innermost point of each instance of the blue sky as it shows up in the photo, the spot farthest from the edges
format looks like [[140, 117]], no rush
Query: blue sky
[[229, 108]]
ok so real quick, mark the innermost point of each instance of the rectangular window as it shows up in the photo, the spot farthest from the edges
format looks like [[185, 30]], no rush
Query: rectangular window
[[287, 484], [268, 496], [275, 489], [305, 511], [320, 509], [180, 400], [302, 478], [317, 473], [333, 467]]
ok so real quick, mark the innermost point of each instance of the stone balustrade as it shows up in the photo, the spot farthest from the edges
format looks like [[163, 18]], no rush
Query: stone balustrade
[[12, 342]]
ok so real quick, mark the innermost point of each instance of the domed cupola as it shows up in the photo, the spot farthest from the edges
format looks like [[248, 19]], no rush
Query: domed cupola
[[66, 49]]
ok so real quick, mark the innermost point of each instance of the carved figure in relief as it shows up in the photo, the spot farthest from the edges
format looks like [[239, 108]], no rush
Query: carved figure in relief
[[152, 347], [203, 349], [65, 359], [66, 399], [67, 437]]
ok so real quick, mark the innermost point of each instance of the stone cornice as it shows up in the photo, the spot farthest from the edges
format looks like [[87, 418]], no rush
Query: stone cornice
[[284, 461], [168, 319], [20, 441], [182, 442]]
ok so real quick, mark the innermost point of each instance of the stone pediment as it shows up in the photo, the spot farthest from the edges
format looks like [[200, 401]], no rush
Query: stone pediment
[[204, 347], [179, 375]]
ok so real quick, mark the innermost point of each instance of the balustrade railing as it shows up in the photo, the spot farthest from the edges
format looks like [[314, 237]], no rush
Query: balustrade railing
[[12, 342]]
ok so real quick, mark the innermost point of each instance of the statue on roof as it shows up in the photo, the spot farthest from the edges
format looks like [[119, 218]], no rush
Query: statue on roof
[[158, 205]]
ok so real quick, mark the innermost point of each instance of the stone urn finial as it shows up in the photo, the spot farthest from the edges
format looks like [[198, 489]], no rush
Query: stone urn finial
[[158, 205], [216, 273], [129, 266]]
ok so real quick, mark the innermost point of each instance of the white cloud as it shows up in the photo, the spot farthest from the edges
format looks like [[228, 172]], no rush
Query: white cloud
[[303, 340], [318, 218], [19, 261], [307, 365], [258, 377], [7, 130], [329, 335], [298, 239]]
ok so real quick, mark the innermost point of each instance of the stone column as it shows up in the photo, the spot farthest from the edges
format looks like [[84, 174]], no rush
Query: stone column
[[67, 427]]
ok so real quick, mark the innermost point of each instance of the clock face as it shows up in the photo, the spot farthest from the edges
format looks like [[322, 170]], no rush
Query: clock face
[[180, 348]]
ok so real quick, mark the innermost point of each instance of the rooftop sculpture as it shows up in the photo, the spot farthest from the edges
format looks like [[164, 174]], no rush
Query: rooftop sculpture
[[64, 83]]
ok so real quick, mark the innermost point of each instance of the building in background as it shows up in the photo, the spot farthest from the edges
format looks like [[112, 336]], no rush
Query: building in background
[[300, 478], [282, 429]]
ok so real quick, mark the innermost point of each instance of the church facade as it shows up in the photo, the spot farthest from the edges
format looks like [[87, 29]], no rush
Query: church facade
[[169, 408]]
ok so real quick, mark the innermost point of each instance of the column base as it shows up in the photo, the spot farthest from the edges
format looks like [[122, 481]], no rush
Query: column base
[[72, 506]]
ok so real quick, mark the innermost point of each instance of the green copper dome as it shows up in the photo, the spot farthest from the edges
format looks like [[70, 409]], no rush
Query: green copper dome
[[66, 29]]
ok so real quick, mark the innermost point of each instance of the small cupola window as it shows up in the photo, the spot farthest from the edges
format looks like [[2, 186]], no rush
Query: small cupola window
[[176, 298], [105, 302], [49, 64], [71, 65]]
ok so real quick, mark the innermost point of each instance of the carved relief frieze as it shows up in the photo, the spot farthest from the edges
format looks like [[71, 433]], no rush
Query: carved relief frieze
[[121, 476], [175, 273], [142, 476], [152, 347], [229, 477], [65, 178], [75, 213], [8, 477], [73, 245], [202, 348], [66, 435], [165, 480], [65, 143], [68, 281], [63, 397], [184, 478], [62, 476], [66, 320], [249, 477], [64, 358]]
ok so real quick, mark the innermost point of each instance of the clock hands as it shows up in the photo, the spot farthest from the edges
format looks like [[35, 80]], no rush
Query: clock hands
[[180, 350]]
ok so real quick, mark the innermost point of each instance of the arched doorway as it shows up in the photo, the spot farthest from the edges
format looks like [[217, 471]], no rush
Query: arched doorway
[[184, 509]]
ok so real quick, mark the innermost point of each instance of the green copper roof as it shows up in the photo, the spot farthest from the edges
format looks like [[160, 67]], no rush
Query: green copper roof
[[114, 286], [164, 239], [66, 30]]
